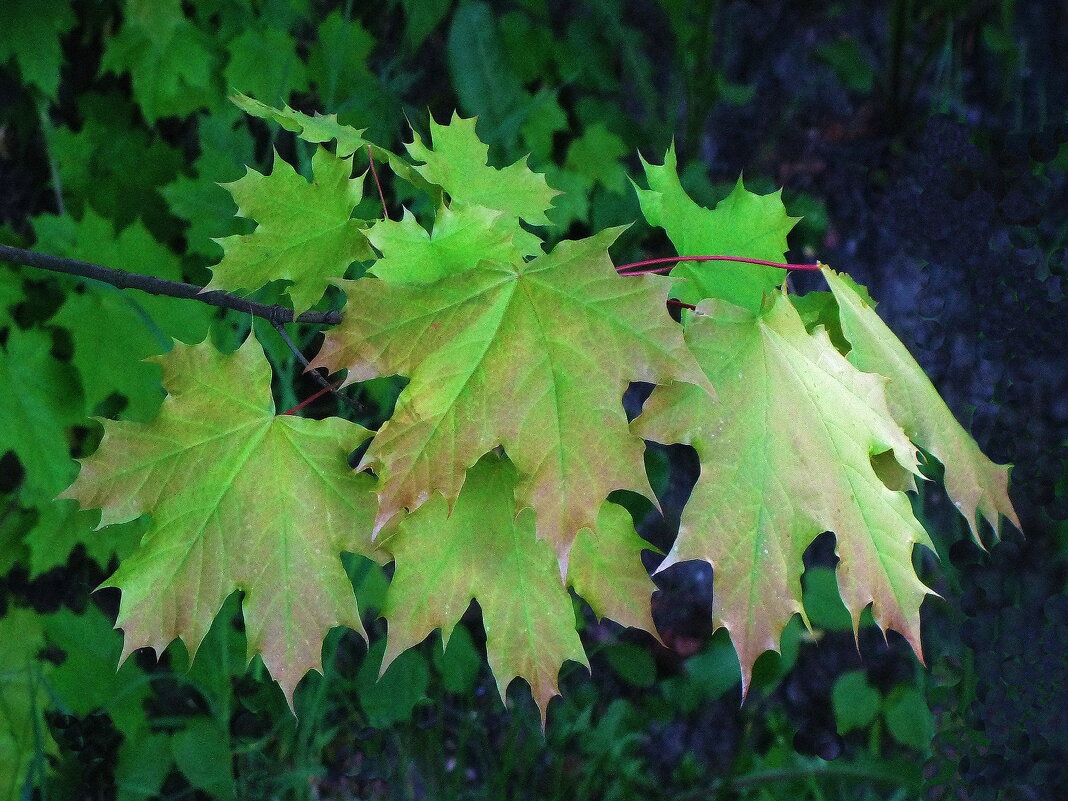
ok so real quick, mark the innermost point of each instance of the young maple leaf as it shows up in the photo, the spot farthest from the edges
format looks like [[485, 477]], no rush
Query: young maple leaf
[[305, 231], [317, 129], [786, 453], [606, 570], [534, 356], [323, 128], [483, 551], [742, 224], [976, 484], [241, 499], [462, 237], [458, 162]]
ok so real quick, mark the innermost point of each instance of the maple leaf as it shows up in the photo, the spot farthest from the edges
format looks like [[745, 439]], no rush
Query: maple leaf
[[305, 231], [317, 128], [785, 455], [534, 356], [171, 62], [34, 30], [458, 162], [483, 551], [974, 483], [607, 571], [461, 238], [742, 224], [264, 61], [61, 526], [240, 499], [322, 128]]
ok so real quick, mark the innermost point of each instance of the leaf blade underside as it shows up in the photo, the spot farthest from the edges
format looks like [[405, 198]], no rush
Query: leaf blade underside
[[976, 485], [240, 500], [785, 455], [533, 357]]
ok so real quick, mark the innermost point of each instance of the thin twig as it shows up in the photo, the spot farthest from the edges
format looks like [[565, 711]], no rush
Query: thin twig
[[161, 286], [319, 378]]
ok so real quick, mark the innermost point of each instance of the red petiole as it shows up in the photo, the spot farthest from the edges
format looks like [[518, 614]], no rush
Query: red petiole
[[629, 269], [374, 174], [317, 395]]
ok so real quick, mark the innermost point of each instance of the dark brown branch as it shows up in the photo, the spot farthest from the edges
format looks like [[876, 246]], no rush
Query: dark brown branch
[[161, 286]]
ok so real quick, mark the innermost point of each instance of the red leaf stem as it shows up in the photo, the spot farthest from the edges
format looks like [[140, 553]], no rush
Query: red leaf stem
[[629, 268], [374, 174], [306, 401]]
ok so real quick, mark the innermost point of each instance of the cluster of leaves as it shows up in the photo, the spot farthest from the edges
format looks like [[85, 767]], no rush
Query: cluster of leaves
[[118, 154], [506, 346]]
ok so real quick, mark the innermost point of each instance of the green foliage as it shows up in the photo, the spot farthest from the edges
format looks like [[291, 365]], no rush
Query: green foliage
[[33, 30], [743, 224]]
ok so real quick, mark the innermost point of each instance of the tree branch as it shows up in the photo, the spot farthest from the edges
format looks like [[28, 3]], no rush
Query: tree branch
[[161, 286]]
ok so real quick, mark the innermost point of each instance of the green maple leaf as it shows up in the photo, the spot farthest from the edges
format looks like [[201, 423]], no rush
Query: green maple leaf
[[742, 224], [264, 62], [32, 32], [321, 128], [317, 128], [595, 156], [305, 232], [462, 237], [534, 356], [110, 340], [974, 483], [458, 163], [87, 679], [483, 551], [41, 399], [240, 499], [111, 330], [171, 63], [337, 63], [785, 455]]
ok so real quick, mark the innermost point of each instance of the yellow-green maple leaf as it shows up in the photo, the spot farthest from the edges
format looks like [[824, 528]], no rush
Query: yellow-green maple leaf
[[240, 499], [976, 485], [742, 224], [462, 237], [786, 454], [458, 162], [483, 551], [534, 356]]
